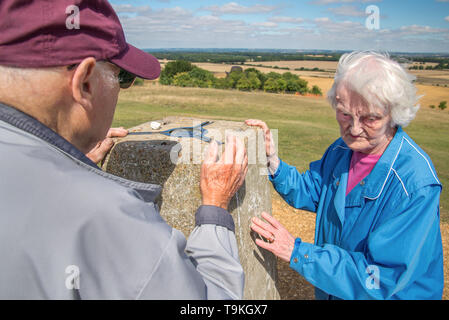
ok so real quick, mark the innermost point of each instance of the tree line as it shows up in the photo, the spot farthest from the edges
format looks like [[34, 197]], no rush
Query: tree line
[[183, 74], [242, 57], [439, 66]]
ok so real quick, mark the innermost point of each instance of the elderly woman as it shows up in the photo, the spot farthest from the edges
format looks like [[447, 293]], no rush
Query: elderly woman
[[375, 193]]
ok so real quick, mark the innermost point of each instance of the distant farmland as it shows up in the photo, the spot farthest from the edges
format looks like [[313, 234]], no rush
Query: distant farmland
[[430, 83]]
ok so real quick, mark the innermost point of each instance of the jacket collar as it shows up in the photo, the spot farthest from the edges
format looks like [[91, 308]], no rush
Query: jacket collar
[[376, 180], [22, 121], [29, 124]]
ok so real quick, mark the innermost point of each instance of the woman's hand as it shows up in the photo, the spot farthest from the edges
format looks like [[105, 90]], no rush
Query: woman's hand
[[270, 147], [280, 242], [98, 153], [221, 179]]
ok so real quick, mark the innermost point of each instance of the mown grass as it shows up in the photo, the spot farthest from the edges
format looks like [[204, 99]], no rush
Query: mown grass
[[306, 126]]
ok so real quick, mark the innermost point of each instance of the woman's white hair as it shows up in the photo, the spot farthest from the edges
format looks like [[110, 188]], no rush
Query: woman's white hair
[[382, 82]]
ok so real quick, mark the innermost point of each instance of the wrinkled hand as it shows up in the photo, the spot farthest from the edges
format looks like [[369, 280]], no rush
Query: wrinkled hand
[[221, 179], [270, 147], [98, 153], [280, 242]]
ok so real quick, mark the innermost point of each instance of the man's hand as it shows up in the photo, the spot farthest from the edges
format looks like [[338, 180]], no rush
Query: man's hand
[[98, 153], [221, 179]]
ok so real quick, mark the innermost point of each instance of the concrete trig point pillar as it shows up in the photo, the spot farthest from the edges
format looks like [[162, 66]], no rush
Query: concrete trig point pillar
[[174, 163]]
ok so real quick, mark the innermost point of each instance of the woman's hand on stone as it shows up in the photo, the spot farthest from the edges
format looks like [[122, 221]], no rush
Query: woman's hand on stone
[[279, 241], [270, 147]]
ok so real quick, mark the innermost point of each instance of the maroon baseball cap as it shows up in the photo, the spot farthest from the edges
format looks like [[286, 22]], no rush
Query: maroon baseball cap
[[49, 33]]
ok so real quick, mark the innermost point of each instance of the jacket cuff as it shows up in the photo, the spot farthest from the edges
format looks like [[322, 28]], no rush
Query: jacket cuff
[[275, 176], [302, 254], [214, 215]]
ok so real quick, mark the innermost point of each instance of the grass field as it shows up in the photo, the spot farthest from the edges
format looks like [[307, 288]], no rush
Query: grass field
[[306, 126]]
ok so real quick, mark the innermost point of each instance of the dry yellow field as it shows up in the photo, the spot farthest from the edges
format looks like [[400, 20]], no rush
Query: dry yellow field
[[432, 77], [220, 70], [330, 66], [432, 95]]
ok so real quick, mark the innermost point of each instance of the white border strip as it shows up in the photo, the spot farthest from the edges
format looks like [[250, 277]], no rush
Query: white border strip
[[433, 173], [403, 186], [391, 168]]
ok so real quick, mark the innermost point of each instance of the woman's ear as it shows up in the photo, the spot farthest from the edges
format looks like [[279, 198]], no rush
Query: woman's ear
[[82, 83]]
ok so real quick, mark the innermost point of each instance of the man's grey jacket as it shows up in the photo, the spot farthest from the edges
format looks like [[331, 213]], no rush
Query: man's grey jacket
[[71, 231]]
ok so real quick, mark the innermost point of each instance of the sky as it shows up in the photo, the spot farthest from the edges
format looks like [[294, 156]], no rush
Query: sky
[[387, 25]]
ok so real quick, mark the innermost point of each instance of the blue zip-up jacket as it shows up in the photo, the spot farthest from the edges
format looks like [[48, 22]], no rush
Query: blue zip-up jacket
[[383, 240]]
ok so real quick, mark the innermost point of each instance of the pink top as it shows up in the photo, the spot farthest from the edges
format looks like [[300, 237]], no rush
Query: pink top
[[361, 166]]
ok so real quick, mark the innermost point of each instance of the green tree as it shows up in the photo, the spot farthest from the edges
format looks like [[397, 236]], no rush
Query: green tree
[[254, 81], [293, 86], [442, 105], [172, 68], [222, 83], [260, 75], [316, 90], [274, 75], [201, 78], [183, 79], [281, 85], [201, 74], [234, 77], [243, 84], [271, 85], [289, 76]]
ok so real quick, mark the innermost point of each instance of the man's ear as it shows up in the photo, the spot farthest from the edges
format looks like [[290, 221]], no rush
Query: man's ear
[[82, 83]]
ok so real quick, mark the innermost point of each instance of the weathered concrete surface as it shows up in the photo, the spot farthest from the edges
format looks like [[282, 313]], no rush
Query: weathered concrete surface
[[149, 159]]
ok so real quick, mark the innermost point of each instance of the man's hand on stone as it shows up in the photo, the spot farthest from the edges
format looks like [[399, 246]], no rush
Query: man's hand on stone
[[222, 178], [98, 153]]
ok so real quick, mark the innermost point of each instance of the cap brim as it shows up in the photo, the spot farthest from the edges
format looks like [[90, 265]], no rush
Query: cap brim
[[138, 62]]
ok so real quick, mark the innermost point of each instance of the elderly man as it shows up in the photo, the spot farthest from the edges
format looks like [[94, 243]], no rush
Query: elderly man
[[67, 229], [375, 193]]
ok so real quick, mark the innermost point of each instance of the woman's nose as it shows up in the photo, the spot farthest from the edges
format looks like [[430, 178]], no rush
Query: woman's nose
[[356, 128]]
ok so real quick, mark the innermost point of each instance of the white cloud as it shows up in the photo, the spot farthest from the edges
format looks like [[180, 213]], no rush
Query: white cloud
[[416, 29], [127, 8], [279, 19], [235, 8], [326, 2], [265, 24], [347, 11], [177, 27]]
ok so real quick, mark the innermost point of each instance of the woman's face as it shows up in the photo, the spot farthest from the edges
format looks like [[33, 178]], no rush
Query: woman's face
[[363, 129]]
